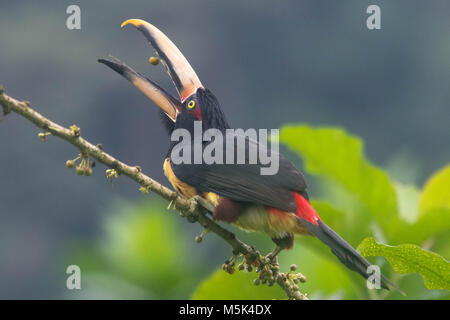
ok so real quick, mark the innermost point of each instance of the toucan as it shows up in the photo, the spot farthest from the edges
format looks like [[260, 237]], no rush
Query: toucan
[[277, 205]]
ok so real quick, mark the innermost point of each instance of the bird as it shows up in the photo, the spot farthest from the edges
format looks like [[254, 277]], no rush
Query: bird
[[277, 205]]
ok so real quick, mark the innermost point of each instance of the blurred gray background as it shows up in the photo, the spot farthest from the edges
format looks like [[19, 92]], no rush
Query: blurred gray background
[[268, 62]]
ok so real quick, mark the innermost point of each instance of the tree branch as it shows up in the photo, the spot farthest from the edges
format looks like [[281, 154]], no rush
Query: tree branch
[[195, 210]]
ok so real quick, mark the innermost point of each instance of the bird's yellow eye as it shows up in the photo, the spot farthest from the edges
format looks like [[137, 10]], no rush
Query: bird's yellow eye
[[191, 104]]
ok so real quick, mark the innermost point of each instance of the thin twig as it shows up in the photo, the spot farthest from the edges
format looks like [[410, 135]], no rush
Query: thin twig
[[195, 210]]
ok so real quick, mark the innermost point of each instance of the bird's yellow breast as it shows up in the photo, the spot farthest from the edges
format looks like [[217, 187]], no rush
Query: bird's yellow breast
[[183, 188]]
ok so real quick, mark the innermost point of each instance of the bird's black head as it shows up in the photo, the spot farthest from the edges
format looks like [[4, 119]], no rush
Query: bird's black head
[[202, 106]]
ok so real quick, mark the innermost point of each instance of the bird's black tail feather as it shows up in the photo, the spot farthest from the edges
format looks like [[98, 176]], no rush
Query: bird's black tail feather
[[345, 252]]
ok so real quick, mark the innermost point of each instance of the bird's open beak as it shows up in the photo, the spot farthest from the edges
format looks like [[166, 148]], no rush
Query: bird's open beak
[[170, 105], [179, 69]]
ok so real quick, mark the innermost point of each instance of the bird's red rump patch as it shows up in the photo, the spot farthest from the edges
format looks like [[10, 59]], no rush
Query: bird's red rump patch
[[304, 209]]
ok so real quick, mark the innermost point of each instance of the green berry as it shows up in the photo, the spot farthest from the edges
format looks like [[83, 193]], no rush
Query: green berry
[[79, 170], [70, 164], [87, 171]]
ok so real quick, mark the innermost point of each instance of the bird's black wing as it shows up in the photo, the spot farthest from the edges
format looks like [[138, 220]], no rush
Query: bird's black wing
[[244, 182]]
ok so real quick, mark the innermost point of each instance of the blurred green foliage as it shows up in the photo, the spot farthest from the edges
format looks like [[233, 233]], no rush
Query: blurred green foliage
[[143, 254], [358, 200], [238, 286], [432, 196]]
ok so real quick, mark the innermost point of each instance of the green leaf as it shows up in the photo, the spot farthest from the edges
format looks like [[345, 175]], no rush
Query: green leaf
[[409, 258], [238, 286], [408, 200], [436, 193], [134, 240], [333, 154], [433, 222], [144, 245], [432, 217]]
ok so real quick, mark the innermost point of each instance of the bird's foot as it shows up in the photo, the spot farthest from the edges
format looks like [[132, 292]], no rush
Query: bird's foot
[[272, 256], [204, 203]]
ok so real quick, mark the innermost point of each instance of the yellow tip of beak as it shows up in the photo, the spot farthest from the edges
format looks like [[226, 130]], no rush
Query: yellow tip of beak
[[134, 22]]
